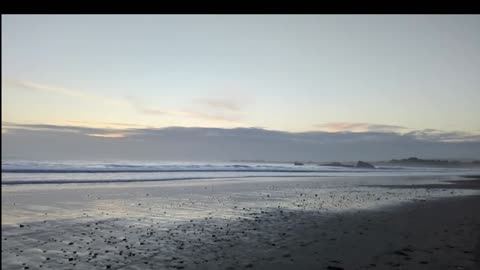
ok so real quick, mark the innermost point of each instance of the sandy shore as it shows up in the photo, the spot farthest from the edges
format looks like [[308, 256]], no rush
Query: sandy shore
[[421, 232]]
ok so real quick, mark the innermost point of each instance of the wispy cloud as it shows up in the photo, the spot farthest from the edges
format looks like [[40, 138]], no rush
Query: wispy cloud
[[108, 135], [138, 105], [208, 116], [358, 127], [79, 94], [46, 127], [89, 131], [226, 112], [104, 124], [229, 104]]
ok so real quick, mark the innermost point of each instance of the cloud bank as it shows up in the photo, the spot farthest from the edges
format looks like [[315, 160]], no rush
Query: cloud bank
[[357, 127], [205, 144]]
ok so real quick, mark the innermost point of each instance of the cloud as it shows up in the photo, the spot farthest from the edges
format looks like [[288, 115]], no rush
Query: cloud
[[424, 134], [89, 131], [104, 124], [222, 144], [444, 136], [78, 94], [226, 114], [138, 105], [357, 127], [125, 130], [108, 135], [209, 116], [220, 103]]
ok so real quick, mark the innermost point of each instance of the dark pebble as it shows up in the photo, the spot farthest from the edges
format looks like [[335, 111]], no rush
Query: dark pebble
[[334, 268]]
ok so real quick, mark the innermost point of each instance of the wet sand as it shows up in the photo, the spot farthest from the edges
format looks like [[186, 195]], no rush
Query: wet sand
[[421, 232]]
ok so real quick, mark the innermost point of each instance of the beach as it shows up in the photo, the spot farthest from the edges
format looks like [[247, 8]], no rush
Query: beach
[[240, 142], [371, 222]]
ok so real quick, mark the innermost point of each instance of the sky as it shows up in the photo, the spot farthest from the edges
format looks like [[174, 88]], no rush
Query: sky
[[105, 76]]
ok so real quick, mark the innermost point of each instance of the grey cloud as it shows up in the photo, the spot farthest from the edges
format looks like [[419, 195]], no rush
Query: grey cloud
[[181, 143], [437, 135], [385, 127], [63, 129]]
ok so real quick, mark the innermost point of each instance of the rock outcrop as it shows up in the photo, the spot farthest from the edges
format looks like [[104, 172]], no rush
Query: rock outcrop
[[361, 164], [338, 164]]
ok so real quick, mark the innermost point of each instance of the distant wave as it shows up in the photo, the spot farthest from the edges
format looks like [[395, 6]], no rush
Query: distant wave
[[31, 172], [32, 167], [169, 170], [97, 181], [101, 181]]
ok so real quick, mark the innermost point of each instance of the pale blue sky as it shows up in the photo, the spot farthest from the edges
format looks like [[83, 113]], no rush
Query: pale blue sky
[[290, 73]]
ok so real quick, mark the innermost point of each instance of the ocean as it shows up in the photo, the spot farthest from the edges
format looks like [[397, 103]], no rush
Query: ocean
[[15, 172]]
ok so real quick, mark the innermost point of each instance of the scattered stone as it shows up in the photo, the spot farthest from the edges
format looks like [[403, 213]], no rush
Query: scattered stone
[[330, 267], [401, 253]]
